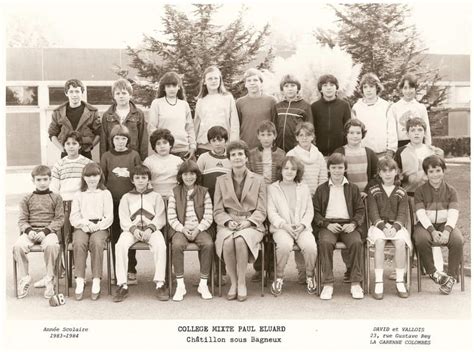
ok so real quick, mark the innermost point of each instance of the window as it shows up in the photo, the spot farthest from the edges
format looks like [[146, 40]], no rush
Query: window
[[56, 95], [22, 95], [99, 95]]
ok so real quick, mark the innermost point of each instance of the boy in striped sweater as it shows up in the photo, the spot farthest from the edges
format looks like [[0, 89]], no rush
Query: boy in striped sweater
[[437, 209], [41, 218]]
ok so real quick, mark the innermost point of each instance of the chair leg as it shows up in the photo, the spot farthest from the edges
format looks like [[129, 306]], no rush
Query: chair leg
[[408, 267], [263, 271], [15, 277], [274, 262], [462, 272], [367, 268], [320, 276], [418, 270], [213, 270], [220, 276], [170, 283], [109, 271], [58, 271]]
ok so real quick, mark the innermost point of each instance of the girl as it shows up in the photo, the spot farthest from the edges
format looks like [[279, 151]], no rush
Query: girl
[[91, 216], [170, 110], [190, 216], [316, 172], [290, 211], [388, 209], [215, 107], [240, 203]]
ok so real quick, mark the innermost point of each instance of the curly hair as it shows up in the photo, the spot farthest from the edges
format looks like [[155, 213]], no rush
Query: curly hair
[[161, 133]]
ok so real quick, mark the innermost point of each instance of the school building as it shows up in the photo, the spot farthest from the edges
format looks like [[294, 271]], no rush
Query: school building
[[34, 88]]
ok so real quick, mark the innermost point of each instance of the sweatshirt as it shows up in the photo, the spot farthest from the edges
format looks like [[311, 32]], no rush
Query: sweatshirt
[[66, 176], [177, 118], [41, 210], [329, 120], [164, 170], [402, 111], [92, 205], [289, 115], [381, 130]]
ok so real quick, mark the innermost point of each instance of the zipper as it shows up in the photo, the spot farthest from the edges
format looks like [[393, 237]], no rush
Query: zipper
[[284, 124], [329, 125], [141, 209]]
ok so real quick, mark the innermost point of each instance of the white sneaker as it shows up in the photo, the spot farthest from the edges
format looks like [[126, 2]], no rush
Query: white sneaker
[[357, 292], [204, 291], [179, 294], [24, 286], [326, 293], [41, 283], [49, 290]]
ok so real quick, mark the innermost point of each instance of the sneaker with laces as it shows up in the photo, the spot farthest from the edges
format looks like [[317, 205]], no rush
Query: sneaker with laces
[[132, 279], [310, 285], [357, 292], [162, 293], [203, 290], [24, 286], [49, 290], [179, 293], [326, 293], [277, 287], [439, 277], [120, 294], [447, 287]]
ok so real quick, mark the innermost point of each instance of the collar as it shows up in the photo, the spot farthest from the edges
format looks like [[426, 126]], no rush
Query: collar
[[46, 191], [441, 186], [134, 191], [114, 152], [274, 147], [344, 181], [97, 190], [218, 156]]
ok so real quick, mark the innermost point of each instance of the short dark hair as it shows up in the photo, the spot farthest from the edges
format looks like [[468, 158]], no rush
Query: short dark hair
[[119, 130], [355, 123], [416, 121], [336, 159], [140, 170], [267, 126], [161, 133], [189, 166], [92, 169], [328, 78], [296, 162], [75, 83], [41, 170], [238, 145], [290, 79], [371, 79], [217, 132], [74, 135], [433, 161], [411, 79]]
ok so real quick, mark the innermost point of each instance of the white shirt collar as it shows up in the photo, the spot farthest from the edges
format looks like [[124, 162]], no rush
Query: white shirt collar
[[344, 181]]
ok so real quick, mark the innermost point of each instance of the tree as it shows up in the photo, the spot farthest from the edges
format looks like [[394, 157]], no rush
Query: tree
[[378, 36], [193, 44]]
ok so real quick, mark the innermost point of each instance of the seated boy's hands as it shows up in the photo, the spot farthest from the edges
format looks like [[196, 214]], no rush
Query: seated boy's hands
[[187, 234], [244, 225], [146, 235], [291, 229], [348, 228], [32, 235], [436, 236], [193, 234], [232, 225], [444, 237], [138, 235], [334, 228], [40, 236]]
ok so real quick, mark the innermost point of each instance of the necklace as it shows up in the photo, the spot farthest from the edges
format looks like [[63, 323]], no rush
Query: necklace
[[176, 101]]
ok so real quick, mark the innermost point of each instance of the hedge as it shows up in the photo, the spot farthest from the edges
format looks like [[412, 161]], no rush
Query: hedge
[[453, 146]]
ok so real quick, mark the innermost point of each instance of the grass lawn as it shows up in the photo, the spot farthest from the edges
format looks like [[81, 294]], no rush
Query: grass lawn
[[458, 176]]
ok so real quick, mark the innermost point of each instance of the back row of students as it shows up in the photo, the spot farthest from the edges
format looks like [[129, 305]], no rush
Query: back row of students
[[163, 166]]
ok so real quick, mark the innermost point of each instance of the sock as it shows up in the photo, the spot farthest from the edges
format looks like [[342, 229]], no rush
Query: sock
[[95, 285], [180, 282], [378, 281], [159, 284], [125, 286], [401, 280], [203, 282], [79, 284]]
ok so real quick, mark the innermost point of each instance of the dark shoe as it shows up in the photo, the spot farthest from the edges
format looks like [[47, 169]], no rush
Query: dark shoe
[[231, 296], [241, 298], [439, 278], [447, 287], [95, 296], [401, 294], [162, 293], [257, 277], [347, 277], [377, 296], [120, 294]]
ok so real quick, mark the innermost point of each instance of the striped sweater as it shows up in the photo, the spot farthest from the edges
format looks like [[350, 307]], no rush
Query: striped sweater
[[437, 206], [66, 176], [385, 208]]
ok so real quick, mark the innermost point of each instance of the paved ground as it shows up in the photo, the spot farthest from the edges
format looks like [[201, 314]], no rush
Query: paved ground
[[294, 303]]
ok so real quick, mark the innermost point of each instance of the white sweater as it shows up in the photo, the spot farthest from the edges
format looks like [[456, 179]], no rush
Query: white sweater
[[164, 170], [216, 110], [90, 205], [315, 169], [177, 118], [401, 111], [278, 211], [381, 131], [66, 176]]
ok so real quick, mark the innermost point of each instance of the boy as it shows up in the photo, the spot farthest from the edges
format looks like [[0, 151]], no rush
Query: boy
[[214, 163], [329, 114], [437, 209], [254, 108], [264, 160], [142, 215], [408, 108], [290, 111], [75, 115], [339, 216], [41, 217], [372, 110], [124, 112], [163, 165], [116, 164]]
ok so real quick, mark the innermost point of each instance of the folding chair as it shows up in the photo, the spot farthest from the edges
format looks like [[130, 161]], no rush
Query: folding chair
[[69, 255], [191, 247], [37, 249]]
